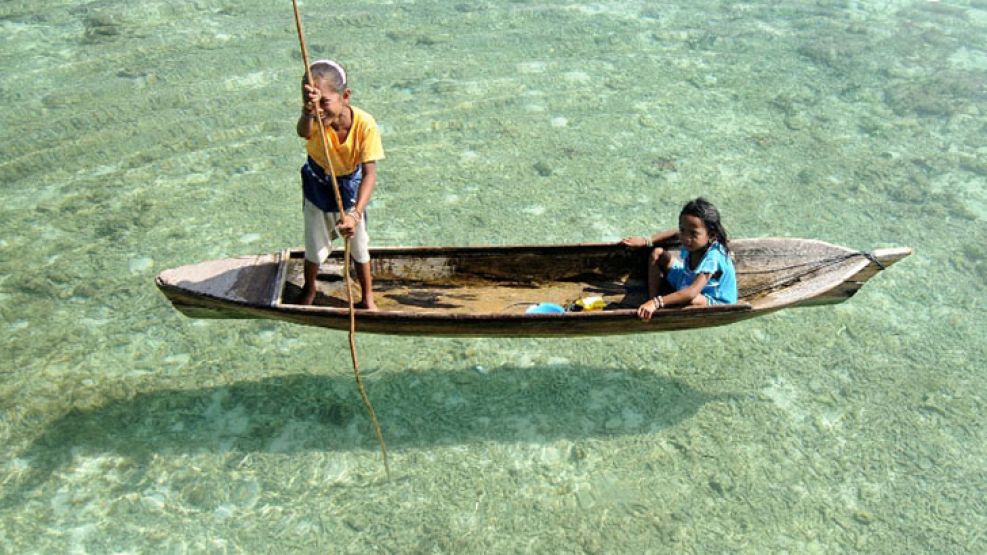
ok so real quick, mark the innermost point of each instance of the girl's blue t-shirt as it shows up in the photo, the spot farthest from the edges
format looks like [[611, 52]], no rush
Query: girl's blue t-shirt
[[722, 284]]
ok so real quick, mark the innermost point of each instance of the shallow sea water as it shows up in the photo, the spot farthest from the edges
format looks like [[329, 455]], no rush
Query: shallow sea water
[[138, 136]]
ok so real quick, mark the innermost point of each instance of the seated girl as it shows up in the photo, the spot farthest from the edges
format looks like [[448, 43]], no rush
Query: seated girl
[[702, 274]]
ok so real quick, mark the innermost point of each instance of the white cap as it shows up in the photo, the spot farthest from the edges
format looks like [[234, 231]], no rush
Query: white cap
[[339, 68]]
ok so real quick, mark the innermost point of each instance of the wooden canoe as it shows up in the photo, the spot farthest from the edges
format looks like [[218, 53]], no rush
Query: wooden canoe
[[484, 291]]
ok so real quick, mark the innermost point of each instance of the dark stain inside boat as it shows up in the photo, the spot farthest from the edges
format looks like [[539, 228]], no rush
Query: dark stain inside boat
[[425, 299]]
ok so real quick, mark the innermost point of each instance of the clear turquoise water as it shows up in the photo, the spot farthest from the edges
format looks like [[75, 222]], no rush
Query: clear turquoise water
[[138, 136]]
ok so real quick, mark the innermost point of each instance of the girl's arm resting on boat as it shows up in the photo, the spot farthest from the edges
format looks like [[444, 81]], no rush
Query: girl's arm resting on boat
[[649, 241], [663, 236]]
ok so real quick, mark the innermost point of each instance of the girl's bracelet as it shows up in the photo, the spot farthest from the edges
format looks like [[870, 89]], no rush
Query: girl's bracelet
[[647, 242], [356, 215], [659, 302]]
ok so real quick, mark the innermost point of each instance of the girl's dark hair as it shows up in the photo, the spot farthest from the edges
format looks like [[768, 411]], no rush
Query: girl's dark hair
[[705, 211]]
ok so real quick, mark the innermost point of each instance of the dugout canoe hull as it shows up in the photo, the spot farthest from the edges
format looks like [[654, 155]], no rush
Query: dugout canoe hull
[[483, 291]]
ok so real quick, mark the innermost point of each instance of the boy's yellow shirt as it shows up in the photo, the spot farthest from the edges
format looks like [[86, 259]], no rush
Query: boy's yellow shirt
[[363, 144]]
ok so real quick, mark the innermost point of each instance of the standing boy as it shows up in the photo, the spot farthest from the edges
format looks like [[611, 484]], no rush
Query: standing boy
[[354, 149]]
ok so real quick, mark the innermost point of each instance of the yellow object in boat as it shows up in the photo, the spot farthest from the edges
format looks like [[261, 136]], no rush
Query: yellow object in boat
[[590, 303]]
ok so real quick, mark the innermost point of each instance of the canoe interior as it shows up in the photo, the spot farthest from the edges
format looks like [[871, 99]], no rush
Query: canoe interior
[[479, 281], [508, 280]]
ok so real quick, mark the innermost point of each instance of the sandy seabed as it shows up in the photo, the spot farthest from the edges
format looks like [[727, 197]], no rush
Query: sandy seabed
[[145, 135]]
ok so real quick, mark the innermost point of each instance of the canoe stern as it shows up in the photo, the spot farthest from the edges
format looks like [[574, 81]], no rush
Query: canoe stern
[[225, 288]]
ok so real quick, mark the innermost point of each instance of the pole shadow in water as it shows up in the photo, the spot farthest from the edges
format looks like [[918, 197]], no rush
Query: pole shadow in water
[[417, 409]]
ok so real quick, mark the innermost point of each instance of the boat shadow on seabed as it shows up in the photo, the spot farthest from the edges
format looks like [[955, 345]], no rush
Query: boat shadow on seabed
[[304, 412]]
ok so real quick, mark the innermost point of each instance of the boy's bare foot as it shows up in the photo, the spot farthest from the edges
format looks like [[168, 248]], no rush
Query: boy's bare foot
[[308, 297], [366, 305]]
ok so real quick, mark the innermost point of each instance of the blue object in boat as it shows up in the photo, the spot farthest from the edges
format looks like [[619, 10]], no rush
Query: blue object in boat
[[545, 308]]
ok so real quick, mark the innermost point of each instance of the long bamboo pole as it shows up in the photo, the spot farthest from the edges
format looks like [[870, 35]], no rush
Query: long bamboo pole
[[346, 243]]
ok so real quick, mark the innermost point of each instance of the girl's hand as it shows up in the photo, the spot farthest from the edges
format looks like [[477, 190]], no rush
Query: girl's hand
[[647, 310], [635, 242]]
